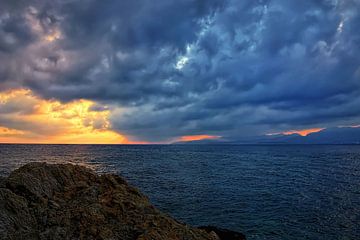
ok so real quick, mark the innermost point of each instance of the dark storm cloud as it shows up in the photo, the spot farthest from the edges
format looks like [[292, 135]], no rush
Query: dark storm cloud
[[171, 68]]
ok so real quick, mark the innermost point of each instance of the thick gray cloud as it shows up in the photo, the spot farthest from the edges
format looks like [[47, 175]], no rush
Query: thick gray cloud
[[172, 68]]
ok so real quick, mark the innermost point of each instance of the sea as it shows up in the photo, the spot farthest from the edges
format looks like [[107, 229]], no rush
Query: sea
[[264, 191]]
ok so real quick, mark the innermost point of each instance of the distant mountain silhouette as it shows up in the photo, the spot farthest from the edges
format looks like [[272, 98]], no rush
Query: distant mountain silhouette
[[337, 135], [343, 135]]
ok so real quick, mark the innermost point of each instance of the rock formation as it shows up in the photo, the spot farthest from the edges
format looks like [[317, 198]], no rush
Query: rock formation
[[44, 201]]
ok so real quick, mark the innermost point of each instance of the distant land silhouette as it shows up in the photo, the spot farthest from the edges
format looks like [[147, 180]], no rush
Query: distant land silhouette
[[336, 135]]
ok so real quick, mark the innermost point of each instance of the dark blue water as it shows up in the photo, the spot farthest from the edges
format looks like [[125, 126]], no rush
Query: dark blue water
[[266, 192]]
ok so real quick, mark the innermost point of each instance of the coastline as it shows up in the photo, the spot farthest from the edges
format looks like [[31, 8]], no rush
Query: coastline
[[64, 201]]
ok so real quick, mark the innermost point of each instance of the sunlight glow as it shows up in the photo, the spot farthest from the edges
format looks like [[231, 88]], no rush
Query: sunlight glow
[[36, 120], [340, 27], [181, 63], [52, 36], [9, 132], [197, 138], [302, 132]]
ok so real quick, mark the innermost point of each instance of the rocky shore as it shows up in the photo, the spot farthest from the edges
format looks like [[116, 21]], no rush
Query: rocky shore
[[47, 201]]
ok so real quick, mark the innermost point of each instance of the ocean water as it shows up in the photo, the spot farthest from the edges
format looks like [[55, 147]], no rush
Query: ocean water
[[266, 192]]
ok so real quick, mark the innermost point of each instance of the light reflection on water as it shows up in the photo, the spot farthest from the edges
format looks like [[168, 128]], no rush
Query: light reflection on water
[[13, 156], [267, 192]]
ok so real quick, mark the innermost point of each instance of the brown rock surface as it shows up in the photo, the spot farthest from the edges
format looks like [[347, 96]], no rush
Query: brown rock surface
[[43, 201]]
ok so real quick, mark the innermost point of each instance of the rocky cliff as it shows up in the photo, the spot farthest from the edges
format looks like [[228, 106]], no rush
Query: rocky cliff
[[43, 201]]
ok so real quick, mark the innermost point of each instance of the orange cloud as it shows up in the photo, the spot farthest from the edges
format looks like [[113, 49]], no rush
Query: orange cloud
[[26, 118], [9, 132], [196, 138], [302, 132]]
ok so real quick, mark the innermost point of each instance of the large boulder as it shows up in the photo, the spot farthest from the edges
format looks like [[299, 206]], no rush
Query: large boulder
[[53, 201]]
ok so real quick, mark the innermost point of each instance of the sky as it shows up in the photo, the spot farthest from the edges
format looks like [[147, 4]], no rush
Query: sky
[[88, 71]]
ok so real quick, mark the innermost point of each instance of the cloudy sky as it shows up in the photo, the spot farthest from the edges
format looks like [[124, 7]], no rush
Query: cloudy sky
[[83, 71]]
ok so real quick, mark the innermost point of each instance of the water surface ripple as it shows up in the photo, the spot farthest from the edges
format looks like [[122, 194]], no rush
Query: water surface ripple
[[266, 192]]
